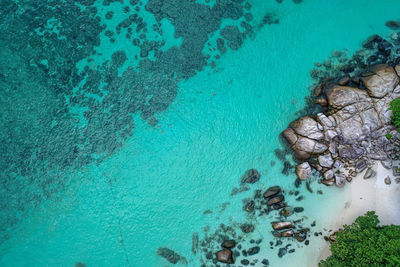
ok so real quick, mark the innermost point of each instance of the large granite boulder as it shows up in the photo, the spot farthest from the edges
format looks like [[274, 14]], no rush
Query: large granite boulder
[[305, 135], [303, 171], [353, 128], [309, 146], [382, 82], [341, 96], [308, 127]]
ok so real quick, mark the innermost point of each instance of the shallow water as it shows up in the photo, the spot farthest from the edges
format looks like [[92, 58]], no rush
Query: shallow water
[[151, 191]]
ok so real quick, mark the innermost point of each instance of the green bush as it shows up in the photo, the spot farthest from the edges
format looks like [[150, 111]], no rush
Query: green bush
[[364, 243], [395, 108]]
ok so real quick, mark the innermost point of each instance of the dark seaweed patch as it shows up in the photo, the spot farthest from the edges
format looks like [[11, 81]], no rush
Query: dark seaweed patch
[[62, 109]]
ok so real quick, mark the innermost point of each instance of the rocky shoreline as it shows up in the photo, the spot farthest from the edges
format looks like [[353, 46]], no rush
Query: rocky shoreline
[[353, 131]]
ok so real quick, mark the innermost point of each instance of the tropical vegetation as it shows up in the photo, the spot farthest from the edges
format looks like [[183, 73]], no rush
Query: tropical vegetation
[[365, 243]]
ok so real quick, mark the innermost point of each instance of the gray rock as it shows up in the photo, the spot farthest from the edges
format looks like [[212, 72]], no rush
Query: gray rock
[[303, 171], [348, 152], [290, 136], [330, 134], [307, 126], [387, 164], [341, 96], [378, 155], [361, 165], [327, 123], [388, 181], [340, 179], [382, 82], [328, 174], [338, 164], [369, 174], [325, 161], [310, 146]]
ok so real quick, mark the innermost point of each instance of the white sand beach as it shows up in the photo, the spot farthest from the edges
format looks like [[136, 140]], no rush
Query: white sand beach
[[366, 195]]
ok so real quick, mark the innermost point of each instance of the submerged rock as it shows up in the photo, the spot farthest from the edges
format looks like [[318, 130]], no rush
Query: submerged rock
[[229, 243], [253, 251], [251, 176], [287, 211], [249, 206], [225, 256], [272, 191], [245, 262], [265, 262], [170, 255], [247, 228], [275, 200], [282, 252], [195, 242]]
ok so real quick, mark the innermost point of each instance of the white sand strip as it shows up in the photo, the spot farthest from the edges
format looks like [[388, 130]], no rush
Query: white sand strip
[[368, 195]]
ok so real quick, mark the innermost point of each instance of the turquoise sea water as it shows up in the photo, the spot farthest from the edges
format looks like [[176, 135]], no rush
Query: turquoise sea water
[[152, 191]]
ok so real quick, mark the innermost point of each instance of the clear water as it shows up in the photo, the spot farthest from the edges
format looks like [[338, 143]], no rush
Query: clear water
[[152, 191]]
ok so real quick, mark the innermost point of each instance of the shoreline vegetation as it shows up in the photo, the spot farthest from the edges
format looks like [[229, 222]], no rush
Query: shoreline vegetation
[[365, 243], [352, 140]]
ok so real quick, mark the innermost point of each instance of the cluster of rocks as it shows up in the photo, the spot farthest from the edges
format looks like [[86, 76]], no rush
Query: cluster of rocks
[[352, 131], [226, 255], [222, 245], [339, 67], [285, 229]]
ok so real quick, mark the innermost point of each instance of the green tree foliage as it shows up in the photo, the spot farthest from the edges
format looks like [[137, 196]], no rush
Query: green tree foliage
[[395, 108], [365, 243]]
